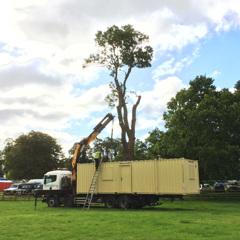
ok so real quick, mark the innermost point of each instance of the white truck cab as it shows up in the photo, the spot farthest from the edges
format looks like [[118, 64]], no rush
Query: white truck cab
[[57, 180]]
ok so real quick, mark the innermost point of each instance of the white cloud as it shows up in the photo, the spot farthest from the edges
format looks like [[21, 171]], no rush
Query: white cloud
[[172, 66], [154, 103], [232, 90], [221, 14], [44, 42], [215, 74], [66, 140], [33, 100], [169, 67], [62, 32]]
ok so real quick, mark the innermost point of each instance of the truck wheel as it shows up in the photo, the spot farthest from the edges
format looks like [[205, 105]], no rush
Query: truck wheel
[[123, 202], [52, 202], [110, 202], [68, 201]]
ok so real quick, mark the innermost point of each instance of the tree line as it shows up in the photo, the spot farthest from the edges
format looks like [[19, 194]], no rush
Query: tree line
[[201, 123]]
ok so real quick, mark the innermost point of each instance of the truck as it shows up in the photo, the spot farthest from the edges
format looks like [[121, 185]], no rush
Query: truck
[[125, 184]]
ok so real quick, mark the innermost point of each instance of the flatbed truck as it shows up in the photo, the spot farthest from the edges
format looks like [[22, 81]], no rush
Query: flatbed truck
[[127, 184]]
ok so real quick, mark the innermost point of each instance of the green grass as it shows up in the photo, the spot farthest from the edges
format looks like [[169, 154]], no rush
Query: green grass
[[193, 218]]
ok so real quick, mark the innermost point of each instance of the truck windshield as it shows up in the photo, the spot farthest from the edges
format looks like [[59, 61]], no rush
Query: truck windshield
[[50, 179]]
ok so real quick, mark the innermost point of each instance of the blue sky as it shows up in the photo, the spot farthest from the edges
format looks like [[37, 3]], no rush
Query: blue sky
[[43, 44], [219, 59]]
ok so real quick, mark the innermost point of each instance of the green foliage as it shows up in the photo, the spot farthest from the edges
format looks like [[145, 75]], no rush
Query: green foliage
[[111, 148], [140, 150], [204, 124], [84, 158], [237, 85], [66, 162], [152, 144], [31, 155], [112, 98], [121, 47], [1, 164]]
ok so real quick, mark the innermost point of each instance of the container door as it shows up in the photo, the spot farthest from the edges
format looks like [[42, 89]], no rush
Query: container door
[[126, 178]]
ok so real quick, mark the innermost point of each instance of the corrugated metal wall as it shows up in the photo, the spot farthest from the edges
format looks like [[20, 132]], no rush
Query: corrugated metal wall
[[144, 177], [172, 176]]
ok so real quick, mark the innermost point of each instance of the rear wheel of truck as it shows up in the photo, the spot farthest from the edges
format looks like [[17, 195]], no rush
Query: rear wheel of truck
[[123, 202], [51, 201], [110, 202], [68, 201]]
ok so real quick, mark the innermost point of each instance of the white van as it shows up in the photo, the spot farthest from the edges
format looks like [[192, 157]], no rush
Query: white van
[[36, 181]]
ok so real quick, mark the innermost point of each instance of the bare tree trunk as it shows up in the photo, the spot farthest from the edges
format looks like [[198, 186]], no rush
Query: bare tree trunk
[[128, 133]]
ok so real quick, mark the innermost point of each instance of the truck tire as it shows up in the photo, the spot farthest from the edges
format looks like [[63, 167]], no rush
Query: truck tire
[[110, 202], [123, 202], [51, 201], [68, 201]]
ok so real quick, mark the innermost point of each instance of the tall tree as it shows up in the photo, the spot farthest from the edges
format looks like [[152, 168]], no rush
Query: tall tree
[[203, 124], [122, 49], [32, 155]]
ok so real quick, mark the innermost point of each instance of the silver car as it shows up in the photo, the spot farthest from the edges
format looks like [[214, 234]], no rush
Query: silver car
[[13, 189]]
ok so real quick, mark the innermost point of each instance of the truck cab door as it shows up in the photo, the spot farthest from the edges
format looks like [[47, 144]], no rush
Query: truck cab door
[[51, 182]]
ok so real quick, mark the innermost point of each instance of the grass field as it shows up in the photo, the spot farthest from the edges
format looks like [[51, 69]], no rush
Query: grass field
[[193, 218]]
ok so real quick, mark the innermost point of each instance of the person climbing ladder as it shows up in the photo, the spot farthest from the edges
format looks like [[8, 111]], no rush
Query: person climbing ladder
[[97, 158]]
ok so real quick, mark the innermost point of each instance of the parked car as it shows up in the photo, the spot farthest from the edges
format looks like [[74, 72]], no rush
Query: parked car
[[232, 186], [28, 188], [36, 181], [204, 188], [24, 189], [37, 186], [13, 188], [218, 187]]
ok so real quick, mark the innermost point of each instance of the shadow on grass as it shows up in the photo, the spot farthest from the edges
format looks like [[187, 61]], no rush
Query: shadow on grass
[[145, 209], [159, 209]]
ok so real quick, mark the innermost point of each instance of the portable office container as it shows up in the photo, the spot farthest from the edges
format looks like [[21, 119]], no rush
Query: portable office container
[[151, 177]]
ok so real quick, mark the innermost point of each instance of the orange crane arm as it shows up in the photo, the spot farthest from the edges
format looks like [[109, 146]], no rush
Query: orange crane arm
[[86, 141]]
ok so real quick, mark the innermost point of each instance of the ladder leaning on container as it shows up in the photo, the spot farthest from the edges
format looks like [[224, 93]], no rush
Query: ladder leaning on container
[[89, 197]]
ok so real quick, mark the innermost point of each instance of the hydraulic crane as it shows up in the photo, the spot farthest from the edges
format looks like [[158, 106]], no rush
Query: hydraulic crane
[[86, 141]]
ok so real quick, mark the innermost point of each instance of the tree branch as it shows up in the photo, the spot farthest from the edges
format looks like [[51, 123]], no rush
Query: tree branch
[[126, 78], [134, 109]]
